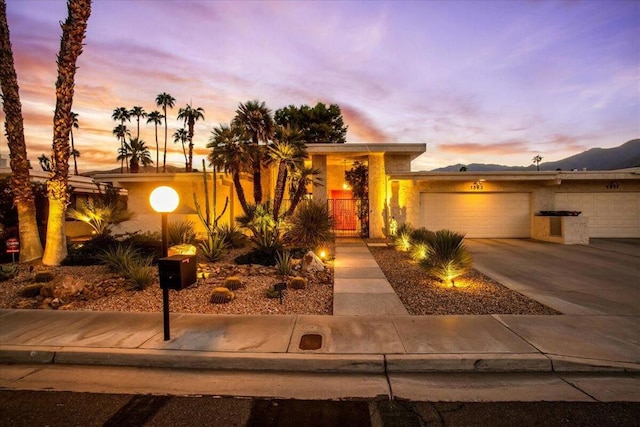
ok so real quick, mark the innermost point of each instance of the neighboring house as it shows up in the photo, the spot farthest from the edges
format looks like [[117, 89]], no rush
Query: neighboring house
[[480, 204]]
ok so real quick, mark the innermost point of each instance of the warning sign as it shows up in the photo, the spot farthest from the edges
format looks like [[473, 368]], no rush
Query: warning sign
[[13, 246]]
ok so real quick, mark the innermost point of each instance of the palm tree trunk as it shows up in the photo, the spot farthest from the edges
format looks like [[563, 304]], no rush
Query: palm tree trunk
[[279, 190], [302, 188], [189, 166], [164, 159], [157, 150], [20, 182], [73, 153], [73, 33], [240, 192]]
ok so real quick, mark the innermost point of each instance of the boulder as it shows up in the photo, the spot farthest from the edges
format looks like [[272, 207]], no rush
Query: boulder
[[311, 262]]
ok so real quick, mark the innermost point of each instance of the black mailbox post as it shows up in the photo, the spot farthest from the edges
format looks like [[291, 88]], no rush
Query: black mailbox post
[[177, 271]]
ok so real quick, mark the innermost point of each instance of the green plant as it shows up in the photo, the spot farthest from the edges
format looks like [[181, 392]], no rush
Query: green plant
[[101, 213], [232, 283], [420, 239], [297, 283], [310, 224], [232, 235], [181, 232], [86, 253], [402, 239], [43, 277], [147, 244], [284, 265], [214, 248], [139, 273], [117, 258], [272, 292], [8, 271], [419, 251], [447, 257], [221, 295]]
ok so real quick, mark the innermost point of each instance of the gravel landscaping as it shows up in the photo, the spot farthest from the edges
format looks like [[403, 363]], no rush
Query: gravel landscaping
[[95, 289]]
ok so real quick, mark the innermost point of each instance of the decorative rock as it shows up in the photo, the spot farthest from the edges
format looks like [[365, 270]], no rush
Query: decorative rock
[[181, 250], [311, 262]]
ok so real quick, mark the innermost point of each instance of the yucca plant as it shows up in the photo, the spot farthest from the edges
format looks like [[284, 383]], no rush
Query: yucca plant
[[101, 215], [310, 224], [447, 257], [284, 265], [214, 248], [402, 239], [181, 232], [140, 273], [419, 241], [118, 257]]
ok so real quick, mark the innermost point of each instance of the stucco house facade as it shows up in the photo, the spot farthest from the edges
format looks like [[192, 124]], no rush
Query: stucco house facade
[[480, 204]]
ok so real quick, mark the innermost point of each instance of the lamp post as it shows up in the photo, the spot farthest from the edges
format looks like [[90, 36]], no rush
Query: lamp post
[[164, 200]]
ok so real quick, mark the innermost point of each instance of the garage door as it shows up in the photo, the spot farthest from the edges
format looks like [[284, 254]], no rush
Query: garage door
[[610, 214], [488, 215]]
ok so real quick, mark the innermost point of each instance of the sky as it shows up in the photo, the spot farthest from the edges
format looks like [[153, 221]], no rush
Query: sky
[[477, 81]]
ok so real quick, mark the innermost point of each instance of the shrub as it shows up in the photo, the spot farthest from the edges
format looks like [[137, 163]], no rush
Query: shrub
[[402, 239], [310, 224], [420, 239], [147, 244], [140, 273], [214, 248], [233, 236], [284, 265], [87, 253], [8, 271], [221, 295], [257, 256], [298, 283], [421, 235], [101, 213], [447, 257], [232, 283], [117, 258], [419, 251], [127, 262], [181, 232]]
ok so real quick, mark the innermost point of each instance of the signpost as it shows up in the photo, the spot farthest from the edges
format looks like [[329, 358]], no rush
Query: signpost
[[13, 247]]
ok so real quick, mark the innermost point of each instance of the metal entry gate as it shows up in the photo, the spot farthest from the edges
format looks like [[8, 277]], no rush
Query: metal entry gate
[[350, 217]]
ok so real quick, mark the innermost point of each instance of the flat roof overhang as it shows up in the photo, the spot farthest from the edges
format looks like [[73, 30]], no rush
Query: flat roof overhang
[[362, 149]]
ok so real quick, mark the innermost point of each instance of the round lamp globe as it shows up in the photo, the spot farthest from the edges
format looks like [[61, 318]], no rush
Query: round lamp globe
[[164, 199]]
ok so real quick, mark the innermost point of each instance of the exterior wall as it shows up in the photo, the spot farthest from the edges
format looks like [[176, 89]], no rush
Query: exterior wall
[[377, 196], [319, 161], [397, 163], [575, 230]]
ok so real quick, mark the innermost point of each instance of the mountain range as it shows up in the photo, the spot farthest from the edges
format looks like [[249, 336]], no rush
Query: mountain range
[[624, 156]]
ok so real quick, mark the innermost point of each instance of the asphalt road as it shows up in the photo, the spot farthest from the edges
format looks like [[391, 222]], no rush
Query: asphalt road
[[48, 408]]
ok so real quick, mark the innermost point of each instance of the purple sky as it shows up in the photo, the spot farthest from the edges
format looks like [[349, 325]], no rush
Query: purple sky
[[478, 81]]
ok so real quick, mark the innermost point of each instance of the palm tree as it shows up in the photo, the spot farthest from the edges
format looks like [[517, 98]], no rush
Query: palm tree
[[121, 132], [73, 33], [190, 116], [165, 100], [121, 114], [156, 117], [301, 179], [255, 118], [537, 159], [138, 154], [183, 136], [75, 153], [20, 181], [138, 112], [228, 153], [289, 151]]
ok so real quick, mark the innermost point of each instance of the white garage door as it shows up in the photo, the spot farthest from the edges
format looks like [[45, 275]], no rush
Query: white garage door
[[488, 215], [610, 214]]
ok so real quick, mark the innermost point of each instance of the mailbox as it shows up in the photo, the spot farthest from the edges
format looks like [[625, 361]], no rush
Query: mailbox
[[177, 271]]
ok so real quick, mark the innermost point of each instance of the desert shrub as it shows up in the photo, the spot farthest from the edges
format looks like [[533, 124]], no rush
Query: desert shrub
[[140, 273], [86, 253], [221, 295], [147, 244], [8, 271], [214, 248], [181, 232], [402, 239], [420, 239], [419, 251], [233, 283], [297, 283], [284, 265], [117, 258], [101, 213], [265, 237], [233, 236], [421, 235], [127, 261], [447, 257], [310, 224]]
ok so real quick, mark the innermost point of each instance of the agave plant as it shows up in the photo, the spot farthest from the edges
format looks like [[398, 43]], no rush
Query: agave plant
[[214, 248], [181, 232], [447, 257], [420, 239], [310, 225], [283, 263], [402, 239]]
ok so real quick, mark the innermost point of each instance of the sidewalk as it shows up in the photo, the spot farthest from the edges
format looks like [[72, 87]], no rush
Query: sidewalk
[[366, 334]]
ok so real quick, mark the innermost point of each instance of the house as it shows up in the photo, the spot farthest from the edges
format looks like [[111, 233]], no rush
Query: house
[[480, 204]]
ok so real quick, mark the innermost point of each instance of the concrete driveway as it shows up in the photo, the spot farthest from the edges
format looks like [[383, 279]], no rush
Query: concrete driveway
[[602, 278]]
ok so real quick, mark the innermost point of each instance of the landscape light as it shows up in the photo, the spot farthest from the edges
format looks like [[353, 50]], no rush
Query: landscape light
[[164, 199]]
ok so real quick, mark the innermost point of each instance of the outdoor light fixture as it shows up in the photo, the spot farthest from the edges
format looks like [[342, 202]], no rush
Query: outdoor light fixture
[[164, 200], [323, 254]]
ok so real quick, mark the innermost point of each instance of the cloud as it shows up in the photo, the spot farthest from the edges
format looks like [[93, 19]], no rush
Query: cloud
[[498, 148], [361, 127]]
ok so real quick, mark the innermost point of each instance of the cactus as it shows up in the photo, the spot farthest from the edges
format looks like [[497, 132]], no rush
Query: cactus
[[43, 277], [272, 293], [298, 283], [232, 283], [8, 271], [31, 291], [221, 295], [205, 217]]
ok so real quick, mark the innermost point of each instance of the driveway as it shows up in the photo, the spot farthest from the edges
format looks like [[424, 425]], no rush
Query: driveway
[[601, 278]]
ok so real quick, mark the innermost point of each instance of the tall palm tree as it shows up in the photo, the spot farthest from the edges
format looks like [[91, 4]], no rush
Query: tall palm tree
[[20, 181], [138, 154], [537, 159], [45, 162], [288, 151], [156, 117], [182, 136], [301, 179], [255, 118], [138, 112], [121, 132], [73, 33], [74, 153], [190, 116], [121, 114], [228, 153], [165, 100]]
